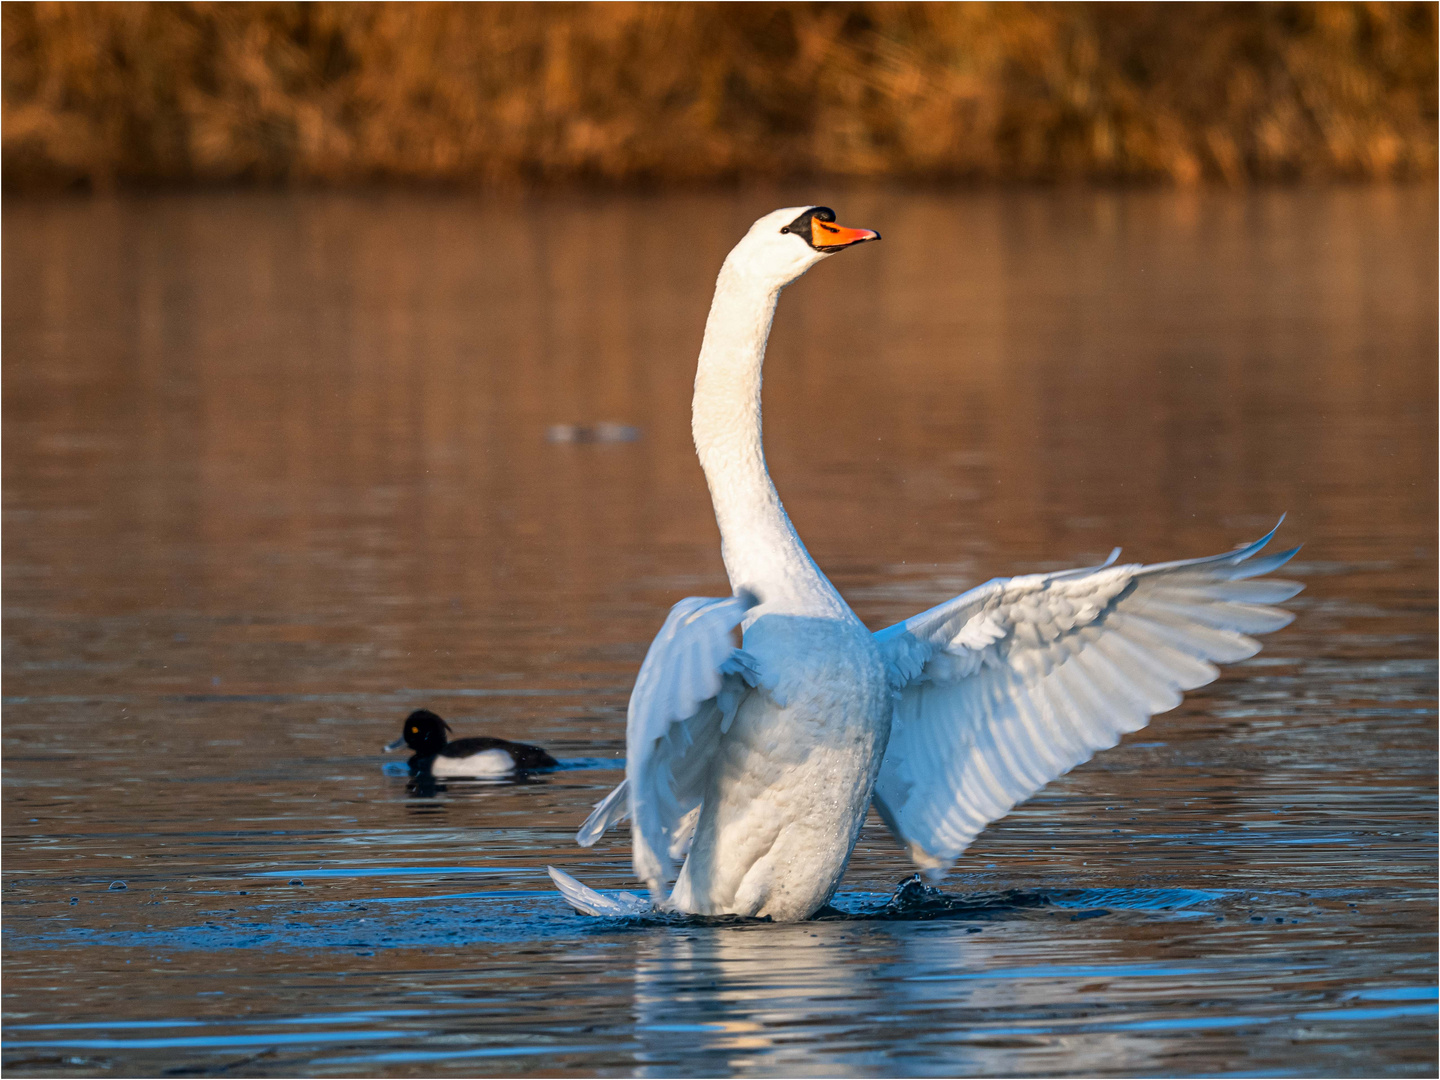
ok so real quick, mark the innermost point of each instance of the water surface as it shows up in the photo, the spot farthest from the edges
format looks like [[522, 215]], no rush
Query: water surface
[[280, 468]]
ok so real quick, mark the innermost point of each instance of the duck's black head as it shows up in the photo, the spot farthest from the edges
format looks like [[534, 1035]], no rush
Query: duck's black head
[[424, 732]]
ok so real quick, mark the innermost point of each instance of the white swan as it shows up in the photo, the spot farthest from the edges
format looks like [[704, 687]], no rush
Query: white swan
[[756, 765]]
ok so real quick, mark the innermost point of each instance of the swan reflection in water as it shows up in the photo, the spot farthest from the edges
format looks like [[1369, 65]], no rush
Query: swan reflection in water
[[857, 998]]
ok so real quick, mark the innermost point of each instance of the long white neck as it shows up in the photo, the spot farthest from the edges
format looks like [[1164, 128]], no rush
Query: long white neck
[[761, 549]]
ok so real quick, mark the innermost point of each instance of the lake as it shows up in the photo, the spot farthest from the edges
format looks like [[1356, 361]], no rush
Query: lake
[[279, 468]]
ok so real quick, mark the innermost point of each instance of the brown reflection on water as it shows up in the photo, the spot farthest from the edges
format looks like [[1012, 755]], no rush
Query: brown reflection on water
[[326, 414], [276, 471]]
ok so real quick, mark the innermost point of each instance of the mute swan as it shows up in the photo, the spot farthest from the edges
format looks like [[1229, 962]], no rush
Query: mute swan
[[756, 765]]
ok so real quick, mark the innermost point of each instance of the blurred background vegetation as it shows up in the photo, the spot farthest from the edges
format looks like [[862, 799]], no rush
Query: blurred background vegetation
[[101, 95]]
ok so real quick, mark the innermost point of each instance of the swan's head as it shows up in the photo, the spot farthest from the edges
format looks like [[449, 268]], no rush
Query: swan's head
[[784, 244]]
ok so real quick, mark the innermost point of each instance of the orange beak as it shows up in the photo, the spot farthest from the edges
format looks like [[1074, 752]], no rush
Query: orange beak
[[827, 236]]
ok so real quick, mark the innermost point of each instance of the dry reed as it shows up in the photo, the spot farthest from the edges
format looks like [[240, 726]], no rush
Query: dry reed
[[490, 94]]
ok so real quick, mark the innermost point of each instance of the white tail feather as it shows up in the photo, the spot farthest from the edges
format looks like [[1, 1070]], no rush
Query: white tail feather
[[611, 810], [587, 901]]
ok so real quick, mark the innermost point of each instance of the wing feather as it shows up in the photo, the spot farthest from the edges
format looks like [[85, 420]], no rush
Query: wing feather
[[689, 686], [610, 810], [1017, 681]]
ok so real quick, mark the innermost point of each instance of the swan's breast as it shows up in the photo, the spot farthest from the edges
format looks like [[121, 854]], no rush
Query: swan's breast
[[815, 664], [816, 728]]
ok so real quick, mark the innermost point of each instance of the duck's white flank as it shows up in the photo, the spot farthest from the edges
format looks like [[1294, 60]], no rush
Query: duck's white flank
[[485, 763], [752, 769]]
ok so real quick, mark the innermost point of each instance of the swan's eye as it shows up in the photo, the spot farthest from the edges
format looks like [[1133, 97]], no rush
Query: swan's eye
[[785, 229]]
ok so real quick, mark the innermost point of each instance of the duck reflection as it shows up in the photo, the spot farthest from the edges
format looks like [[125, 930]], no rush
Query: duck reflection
[[426, 786]]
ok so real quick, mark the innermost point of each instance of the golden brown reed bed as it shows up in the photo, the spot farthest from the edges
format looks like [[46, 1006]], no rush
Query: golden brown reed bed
[[510, 93]]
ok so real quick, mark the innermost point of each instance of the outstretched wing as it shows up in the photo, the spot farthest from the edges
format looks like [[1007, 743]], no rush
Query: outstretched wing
[[689, 687], [1017, 681]]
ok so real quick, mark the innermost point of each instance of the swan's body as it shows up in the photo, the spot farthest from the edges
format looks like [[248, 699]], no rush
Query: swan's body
[[757, 765], [789, 784]]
